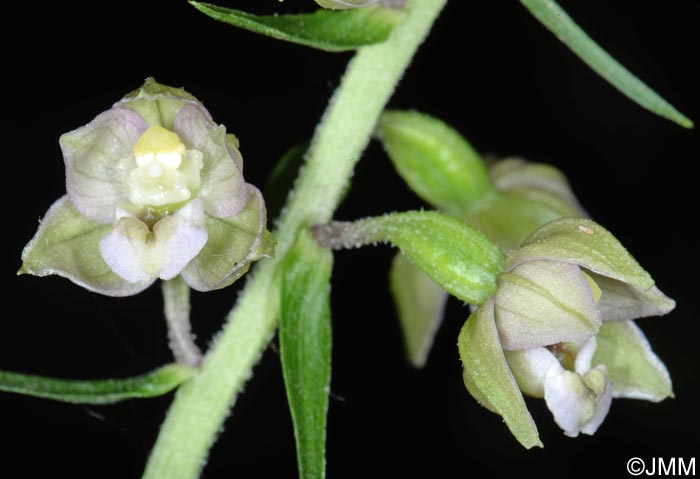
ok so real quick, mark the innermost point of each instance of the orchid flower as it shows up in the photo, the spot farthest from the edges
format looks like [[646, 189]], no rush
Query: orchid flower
[[155, 189], [560, 327]]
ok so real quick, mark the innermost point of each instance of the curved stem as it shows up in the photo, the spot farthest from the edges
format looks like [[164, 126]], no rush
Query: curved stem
[[176, 299], [202, 404]]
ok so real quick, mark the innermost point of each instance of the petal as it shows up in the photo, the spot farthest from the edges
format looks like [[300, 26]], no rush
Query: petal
[[136, 254], [420, 304], [578, 404], [98, 160], [124, 248], [178, 239], [67, 244], [585, 243], [584, 355], [635, 371], [594, 379], [544, 302], [621, 301], [529, 368], [222, 186], [488, 377], [526, 179], [233, 244]]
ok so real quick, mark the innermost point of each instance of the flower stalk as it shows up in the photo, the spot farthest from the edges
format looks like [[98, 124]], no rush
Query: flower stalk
[[176, 296], [201, 405]]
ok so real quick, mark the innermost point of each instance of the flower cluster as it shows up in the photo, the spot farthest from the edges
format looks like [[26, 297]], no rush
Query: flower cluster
[[560, 327], [155, 190]]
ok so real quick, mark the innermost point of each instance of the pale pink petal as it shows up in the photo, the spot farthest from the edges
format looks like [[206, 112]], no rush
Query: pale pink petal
[[98, 160]]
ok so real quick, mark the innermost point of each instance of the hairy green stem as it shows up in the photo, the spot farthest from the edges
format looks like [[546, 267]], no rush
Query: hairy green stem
[[176, 299], [203, 403]]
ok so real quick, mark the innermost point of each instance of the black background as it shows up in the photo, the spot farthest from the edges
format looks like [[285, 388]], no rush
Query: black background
[[490, 70]]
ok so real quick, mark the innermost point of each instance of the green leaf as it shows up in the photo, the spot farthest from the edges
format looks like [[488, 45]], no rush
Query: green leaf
[[305, 348], [455, 255], [634, 370], [562, 25], [104, 391], [333, 31], [420, 304], [68, 244], [488, 377], [435, 160]]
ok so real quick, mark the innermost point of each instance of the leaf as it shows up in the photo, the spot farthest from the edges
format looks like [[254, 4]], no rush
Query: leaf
[[488, 377], [435, 160], [333, 31], [634, 370], [563, 26], [104, 391], [305, 348], [455, 255], [420, 304], [67, 244]]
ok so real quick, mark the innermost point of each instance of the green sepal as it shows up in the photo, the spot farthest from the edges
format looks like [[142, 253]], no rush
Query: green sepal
[[305, 348], [158, 104], [233, 244], [328, 30], [420, 304], [104, 391], [585, 243], [633, 368], [68, 244], [436, 162], [488, 378]]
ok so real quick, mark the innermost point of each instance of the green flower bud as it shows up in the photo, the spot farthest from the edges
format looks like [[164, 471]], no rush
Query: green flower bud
[[155, 190]]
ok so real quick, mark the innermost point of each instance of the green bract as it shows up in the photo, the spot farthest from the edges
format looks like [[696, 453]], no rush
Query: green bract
[[155, 190], [559, 327]]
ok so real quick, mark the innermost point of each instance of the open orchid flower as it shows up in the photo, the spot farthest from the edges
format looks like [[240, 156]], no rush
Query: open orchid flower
[[155, 190], [559, 327]]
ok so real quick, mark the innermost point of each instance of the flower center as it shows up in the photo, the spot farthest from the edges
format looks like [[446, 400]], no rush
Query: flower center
[[166, 172]]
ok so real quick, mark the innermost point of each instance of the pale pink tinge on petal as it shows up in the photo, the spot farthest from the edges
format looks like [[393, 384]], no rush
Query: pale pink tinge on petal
[[98, 160], [178, 239], [222, 188], [137, 254]]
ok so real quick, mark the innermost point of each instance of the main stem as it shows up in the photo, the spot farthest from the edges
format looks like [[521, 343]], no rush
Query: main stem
[[202, 404]]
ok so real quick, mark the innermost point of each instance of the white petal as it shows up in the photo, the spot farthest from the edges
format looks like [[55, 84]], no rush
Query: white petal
[[137, 254], [602, 404], [178, 239], [585, 353], [530, 367], [123, 249], [578, 404]]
